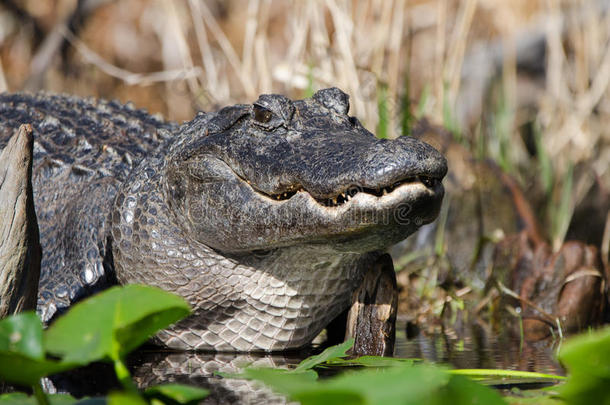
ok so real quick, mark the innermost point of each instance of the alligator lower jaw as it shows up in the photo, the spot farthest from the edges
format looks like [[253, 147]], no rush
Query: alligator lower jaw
[[346, 196], [403, 195], [375, 197]]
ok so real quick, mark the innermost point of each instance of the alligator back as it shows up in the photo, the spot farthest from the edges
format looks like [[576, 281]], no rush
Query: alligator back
[[83, 150]]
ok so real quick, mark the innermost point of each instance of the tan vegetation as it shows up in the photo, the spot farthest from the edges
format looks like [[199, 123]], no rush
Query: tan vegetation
[[524, 82]]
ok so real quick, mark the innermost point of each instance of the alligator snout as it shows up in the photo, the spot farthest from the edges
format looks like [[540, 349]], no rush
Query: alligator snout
[[376, 172], [357, 162]]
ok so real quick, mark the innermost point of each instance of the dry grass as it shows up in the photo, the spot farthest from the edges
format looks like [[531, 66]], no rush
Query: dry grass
[[486, 69], [454, 61]]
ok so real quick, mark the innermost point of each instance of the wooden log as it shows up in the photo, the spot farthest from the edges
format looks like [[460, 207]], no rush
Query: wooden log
[[20, 250], [371, 320]]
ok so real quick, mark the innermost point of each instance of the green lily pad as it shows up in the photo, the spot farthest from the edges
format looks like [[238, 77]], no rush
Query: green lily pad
[[405, 384], [125, 398], [463, 391], [22, 333], [587, 358], [181, 394], [588, 353], [392, 385], [19, 398], [112, 323], [371, 361], [283, 381], [498, 376], [22, 358]]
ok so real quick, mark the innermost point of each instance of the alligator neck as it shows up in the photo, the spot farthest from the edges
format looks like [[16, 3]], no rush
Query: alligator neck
[[261, 301]]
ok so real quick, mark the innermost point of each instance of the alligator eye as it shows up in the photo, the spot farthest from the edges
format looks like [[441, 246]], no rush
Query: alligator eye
[[261, 114]]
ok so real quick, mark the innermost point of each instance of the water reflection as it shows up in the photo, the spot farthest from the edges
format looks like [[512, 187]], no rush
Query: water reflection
[[202, 370], [478, 348]]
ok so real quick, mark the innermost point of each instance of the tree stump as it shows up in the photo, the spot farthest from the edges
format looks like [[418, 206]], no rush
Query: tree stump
[[20, 250], [371, 320]]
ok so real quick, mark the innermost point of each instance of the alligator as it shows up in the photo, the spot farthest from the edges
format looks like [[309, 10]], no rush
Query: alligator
[[263, 216]]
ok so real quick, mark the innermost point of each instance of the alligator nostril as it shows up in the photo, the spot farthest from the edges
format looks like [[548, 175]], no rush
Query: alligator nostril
[[333, 99]]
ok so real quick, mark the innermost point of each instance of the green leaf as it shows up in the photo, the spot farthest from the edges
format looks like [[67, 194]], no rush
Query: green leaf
[[563, 210], [331, 396], [19, 398], [420, 111], [493, 376], [89, 401], [405, 384], [19, 369], [144, 311], [463, 391], [112, 323], [544, 162], [587, 358], [382, 111], [22, 333], [182, 394], [331, 353], [370, 361], [449, 117], [62, 399], [21, 351], [588, 354], [585, 390], [283, 381], [406, 116], [125, 398], [534, 400]]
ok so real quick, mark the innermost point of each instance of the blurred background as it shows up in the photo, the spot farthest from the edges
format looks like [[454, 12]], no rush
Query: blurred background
[[522, 85]]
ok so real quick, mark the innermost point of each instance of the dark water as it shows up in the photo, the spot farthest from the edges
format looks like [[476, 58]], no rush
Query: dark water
[[475, 348], [479, 348]]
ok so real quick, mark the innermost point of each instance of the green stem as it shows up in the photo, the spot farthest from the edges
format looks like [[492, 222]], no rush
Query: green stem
[[41, 397], [124, 377]]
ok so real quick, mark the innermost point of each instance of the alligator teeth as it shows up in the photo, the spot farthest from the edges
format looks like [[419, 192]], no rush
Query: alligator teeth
[[350, 192], [286, 194]]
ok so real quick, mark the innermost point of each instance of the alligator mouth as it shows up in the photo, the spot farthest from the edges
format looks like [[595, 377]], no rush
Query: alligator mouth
[[344, 196]]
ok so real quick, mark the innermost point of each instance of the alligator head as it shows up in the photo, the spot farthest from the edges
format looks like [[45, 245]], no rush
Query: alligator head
[[279, 173]]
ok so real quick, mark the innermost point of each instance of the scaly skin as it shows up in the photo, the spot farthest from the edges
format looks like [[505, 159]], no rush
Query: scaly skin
[[264, 216]]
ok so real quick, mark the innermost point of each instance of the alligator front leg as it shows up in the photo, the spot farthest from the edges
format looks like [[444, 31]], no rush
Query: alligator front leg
[[371, 320], [82, 264]]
